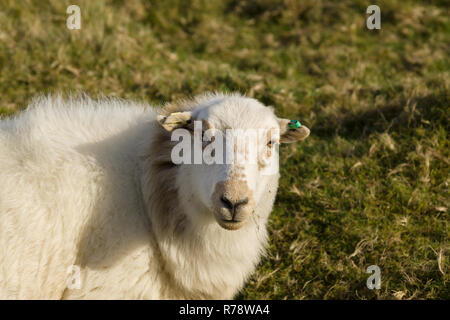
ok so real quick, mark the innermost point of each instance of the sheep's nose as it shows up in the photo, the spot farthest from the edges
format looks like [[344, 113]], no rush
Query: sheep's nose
[[233, 205]]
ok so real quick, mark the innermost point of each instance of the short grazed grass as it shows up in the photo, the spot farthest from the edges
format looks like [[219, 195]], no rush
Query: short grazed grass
[[370, 185]]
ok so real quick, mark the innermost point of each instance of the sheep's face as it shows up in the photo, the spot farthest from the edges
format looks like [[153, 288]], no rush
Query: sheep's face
[[227, 155]]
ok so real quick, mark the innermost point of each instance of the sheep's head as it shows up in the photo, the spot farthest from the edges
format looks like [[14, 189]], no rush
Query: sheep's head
[[227, 155]]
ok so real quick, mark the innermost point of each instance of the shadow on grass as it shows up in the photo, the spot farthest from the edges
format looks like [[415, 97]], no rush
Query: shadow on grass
[[406, 113]]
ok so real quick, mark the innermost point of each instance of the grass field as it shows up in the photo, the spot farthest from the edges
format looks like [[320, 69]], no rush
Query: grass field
[[371, 183]]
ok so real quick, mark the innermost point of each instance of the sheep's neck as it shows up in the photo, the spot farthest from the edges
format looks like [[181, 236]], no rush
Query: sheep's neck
[[208, 261]]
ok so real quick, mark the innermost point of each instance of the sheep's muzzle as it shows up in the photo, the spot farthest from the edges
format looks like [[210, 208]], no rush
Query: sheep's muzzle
[[233, 203]]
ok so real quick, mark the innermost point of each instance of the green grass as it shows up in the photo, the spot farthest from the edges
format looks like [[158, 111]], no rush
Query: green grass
[[370, 185]]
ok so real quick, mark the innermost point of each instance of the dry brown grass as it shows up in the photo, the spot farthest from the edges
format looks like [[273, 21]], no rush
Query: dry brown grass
[[370, 186]]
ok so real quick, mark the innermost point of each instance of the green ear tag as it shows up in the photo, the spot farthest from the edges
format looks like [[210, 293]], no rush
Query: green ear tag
[[294, 124]]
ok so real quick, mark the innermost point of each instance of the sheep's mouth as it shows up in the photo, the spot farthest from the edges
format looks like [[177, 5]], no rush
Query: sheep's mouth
[[231, 224]]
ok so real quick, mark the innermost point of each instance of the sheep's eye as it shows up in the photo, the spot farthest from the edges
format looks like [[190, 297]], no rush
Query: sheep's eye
[[208, 136], [270, 143]]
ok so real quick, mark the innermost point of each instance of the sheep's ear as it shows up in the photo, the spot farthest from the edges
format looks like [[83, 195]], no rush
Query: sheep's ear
[[290, 134], [175, 120]]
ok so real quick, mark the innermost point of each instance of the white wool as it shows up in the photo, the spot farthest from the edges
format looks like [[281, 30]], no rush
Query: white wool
[[73, 193]]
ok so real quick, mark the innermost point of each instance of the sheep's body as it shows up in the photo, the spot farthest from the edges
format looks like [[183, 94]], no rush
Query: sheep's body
[[74, 191]]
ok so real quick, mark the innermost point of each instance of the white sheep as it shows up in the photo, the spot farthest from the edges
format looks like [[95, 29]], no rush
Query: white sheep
[[93, 207]]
